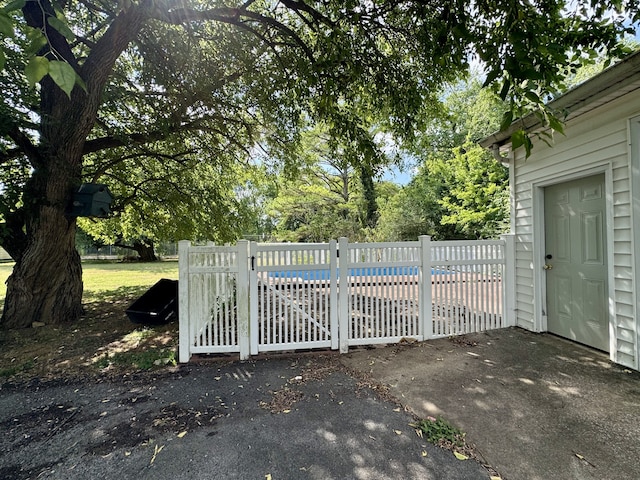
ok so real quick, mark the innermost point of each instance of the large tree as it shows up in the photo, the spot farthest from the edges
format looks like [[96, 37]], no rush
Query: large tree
[[112, 74]]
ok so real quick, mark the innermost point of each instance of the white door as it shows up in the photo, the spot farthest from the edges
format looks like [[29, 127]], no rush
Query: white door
[[576, 261]]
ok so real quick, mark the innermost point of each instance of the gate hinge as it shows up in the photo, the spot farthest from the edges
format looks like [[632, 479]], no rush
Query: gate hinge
[[253, 263]]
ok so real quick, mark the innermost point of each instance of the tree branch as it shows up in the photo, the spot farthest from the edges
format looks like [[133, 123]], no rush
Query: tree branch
[[232, 16], [299, 6], [24, 147], [113, 141], [95, 176]]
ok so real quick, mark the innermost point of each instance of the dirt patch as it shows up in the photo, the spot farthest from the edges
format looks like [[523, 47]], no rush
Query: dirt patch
[[148, 425], [41, 423]]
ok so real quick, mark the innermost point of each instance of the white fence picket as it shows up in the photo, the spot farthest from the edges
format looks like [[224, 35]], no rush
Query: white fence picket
[[265, 297]]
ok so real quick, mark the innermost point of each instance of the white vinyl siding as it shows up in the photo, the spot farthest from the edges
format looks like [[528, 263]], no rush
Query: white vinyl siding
[[598, 139]]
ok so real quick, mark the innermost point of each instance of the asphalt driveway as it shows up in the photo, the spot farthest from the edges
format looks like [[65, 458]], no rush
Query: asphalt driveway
[[267, 419], [536, 406]]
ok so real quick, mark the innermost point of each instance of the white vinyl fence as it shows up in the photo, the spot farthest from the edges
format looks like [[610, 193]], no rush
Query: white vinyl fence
[[253, 298]]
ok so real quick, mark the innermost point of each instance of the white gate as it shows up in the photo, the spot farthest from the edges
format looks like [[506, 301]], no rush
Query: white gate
[[213, 299], [293, 291], [382, 283], [254, 297], [468, 289]]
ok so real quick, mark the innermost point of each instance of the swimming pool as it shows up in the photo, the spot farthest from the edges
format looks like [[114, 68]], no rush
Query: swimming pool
[[353, 272]]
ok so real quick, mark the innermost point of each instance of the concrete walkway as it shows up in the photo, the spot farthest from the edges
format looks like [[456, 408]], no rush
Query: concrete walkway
[[537, 407]]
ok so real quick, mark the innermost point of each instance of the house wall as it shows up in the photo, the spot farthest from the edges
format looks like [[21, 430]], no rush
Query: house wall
[[597, 141]]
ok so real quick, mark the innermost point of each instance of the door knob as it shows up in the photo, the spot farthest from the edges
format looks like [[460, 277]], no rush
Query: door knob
[[547, 266]]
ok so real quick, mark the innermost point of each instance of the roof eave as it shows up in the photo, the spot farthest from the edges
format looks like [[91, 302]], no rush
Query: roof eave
[[579, 99]]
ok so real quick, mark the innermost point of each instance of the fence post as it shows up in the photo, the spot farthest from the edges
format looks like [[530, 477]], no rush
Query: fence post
[[333, 295], [242, 298], [509, 279], [253, 299], [184, 330], [343, 293], [424, 287]]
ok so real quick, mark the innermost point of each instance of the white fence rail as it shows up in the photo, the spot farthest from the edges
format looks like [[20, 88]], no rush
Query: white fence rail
[[255, 297]]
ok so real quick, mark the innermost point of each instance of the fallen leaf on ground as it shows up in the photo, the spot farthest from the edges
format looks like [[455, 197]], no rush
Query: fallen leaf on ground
[[155, 453], [581, 457], [398, 432], [423, 453], [460, 456], [182, 434]]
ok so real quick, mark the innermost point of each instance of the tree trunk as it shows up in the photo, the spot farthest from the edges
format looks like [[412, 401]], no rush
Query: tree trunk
[[145, 250], [46, 283], [369, 193]]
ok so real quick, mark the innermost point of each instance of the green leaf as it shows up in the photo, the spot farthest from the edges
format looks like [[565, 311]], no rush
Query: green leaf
[[36, 39], [81, 83], [63, 75], [533, 96], [507, 118], [15, 5], [517, 139], [460, 456], [505, 89], [3, 60], [6, 25], [491, 76], [37, 68], [528, 145], [556, 124], [61, 27]]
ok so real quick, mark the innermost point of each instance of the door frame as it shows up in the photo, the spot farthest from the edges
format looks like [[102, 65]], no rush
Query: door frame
[[633, 132], [539, 276]]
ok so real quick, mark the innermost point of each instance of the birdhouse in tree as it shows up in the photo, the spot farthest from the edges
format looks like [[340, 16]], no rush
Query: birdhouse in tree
[[91, 200]]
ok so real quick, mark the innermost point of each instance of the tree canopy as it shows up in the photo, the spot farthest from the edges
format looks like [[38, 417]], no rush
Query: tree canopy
[[459, 191], [89, 83]]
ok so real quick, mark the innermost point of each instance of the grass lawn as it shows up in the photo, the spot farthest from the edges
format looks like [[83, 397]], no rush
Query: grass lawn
[[103, 340], [100, 277]]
